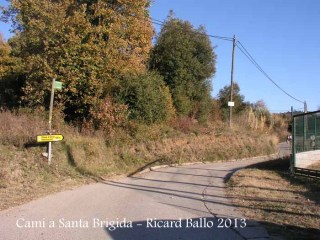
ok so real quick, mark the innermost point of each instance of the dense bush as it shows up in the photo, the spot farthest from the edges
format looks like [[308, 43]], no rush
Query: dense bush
[[108, 115], [148, 98]]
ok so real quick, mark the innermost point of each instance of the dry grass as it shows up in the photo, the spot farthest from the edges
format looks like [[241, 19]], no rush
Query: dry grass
[[20, 129], [289, 207], [25, 174]]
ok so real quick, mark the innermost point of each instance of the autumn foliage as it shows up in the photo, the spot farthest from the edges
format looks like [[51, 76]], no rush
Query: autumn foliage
[[101, 50], [87, 45], [108, 115]]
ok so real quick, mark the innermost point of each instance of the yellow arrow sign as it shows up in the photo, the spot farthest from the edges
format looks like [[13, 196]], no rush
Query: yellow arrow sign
[[50, 138]]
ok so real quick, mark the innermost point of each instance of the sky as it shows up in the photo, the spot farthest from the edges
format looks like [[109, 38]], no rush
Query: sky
[[283, 36]]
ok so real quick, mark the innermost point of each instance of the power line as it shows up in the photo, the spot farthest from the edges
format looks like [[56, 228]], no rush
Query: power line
[[285, 110], [254, 62], [157, 23], [161, 23], [243, 50]]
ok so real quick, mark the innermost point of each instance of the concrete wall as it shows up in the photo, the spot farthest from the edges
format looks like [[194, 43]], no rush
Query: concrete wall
[[305, 159]]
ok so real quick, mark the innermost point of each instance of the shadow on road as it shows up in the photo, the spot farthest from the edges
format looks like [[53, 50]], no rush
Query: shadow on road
[[280, 164], [144, 167], [198, 197], [186, 229], [181, 192], [289, 232], [185, 174], [204, 229], [179, 189]]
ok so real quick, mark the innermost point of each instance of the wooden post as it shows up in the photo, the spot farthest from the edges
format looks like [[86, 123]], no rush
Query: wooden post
[[231, 87]]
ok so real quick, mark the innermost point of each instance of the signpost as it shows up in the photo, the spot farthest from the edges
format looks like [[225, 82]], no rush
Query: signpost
[[57, 85], [51, 138]]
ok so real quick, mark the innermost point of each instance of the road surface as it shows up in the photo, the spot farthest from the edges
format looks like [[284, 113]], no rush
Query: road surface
[[186, 202]]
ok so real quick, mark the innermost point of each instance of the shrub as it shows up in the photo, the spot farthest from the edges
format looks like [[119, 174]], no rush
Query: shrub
[[183, 124], [109, 115], [148, 98]]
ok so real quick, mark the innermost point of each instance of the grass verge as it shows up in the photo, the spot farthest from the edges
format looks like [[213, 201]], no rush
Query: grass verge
[[288, 206], [80, 159]]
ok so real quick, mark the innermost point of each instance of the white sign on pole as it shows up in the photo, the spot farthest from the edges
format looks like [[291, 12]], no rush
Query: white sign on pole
[[231, 104]]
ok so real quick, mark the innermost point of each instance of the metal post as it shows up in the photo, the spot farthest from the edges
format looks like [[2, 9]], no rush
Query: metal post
[[293, 146], [315, 132], [49, 152], [231, 87], [304, 133], [50, 120]]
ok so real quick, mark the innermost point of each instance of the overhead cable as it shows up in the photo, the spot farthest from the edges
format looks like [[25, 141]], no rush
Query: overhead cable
[[254, 62]]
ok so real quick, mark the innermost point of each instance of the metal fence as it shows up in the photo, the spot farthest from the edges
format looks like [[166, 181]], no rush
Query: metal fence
[[306, 132], [306, 140]]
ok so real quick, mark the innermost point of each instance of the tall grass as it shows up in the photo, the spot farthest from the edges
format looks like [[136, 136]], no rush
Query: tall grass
[[20, 129]]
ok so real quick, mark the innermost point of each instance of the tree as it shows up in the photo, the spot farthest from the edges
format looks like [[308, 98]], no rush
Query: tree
[[4, 53], [237, 98], [185, 58], [11, 76], [148, 98], [88, 45]]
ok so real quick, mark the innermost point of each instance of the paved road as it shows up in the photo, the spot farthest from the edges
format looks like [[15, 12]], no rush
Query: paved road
[[284, 149], [183, 203]]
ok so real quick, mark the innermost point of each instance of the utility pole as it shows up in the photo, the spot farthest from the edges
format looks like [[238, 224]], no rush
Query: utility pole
[[231, 104], [305, 107]]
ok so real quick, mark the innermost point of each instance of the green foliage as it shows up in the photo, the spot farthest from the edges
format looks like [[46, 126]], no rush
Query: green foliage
[[182, 102], [148, 98], [185, 58], [86, 45], [203, 110], [224, 97]]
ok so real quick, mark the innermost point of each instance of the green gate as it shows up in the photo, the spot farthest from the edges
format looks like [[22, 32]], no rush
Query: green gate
[[306, 143]]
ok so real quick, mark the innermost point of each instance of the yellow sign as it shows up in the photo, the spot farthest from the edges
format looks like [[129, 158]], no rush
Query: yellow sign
[[50, 138]]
